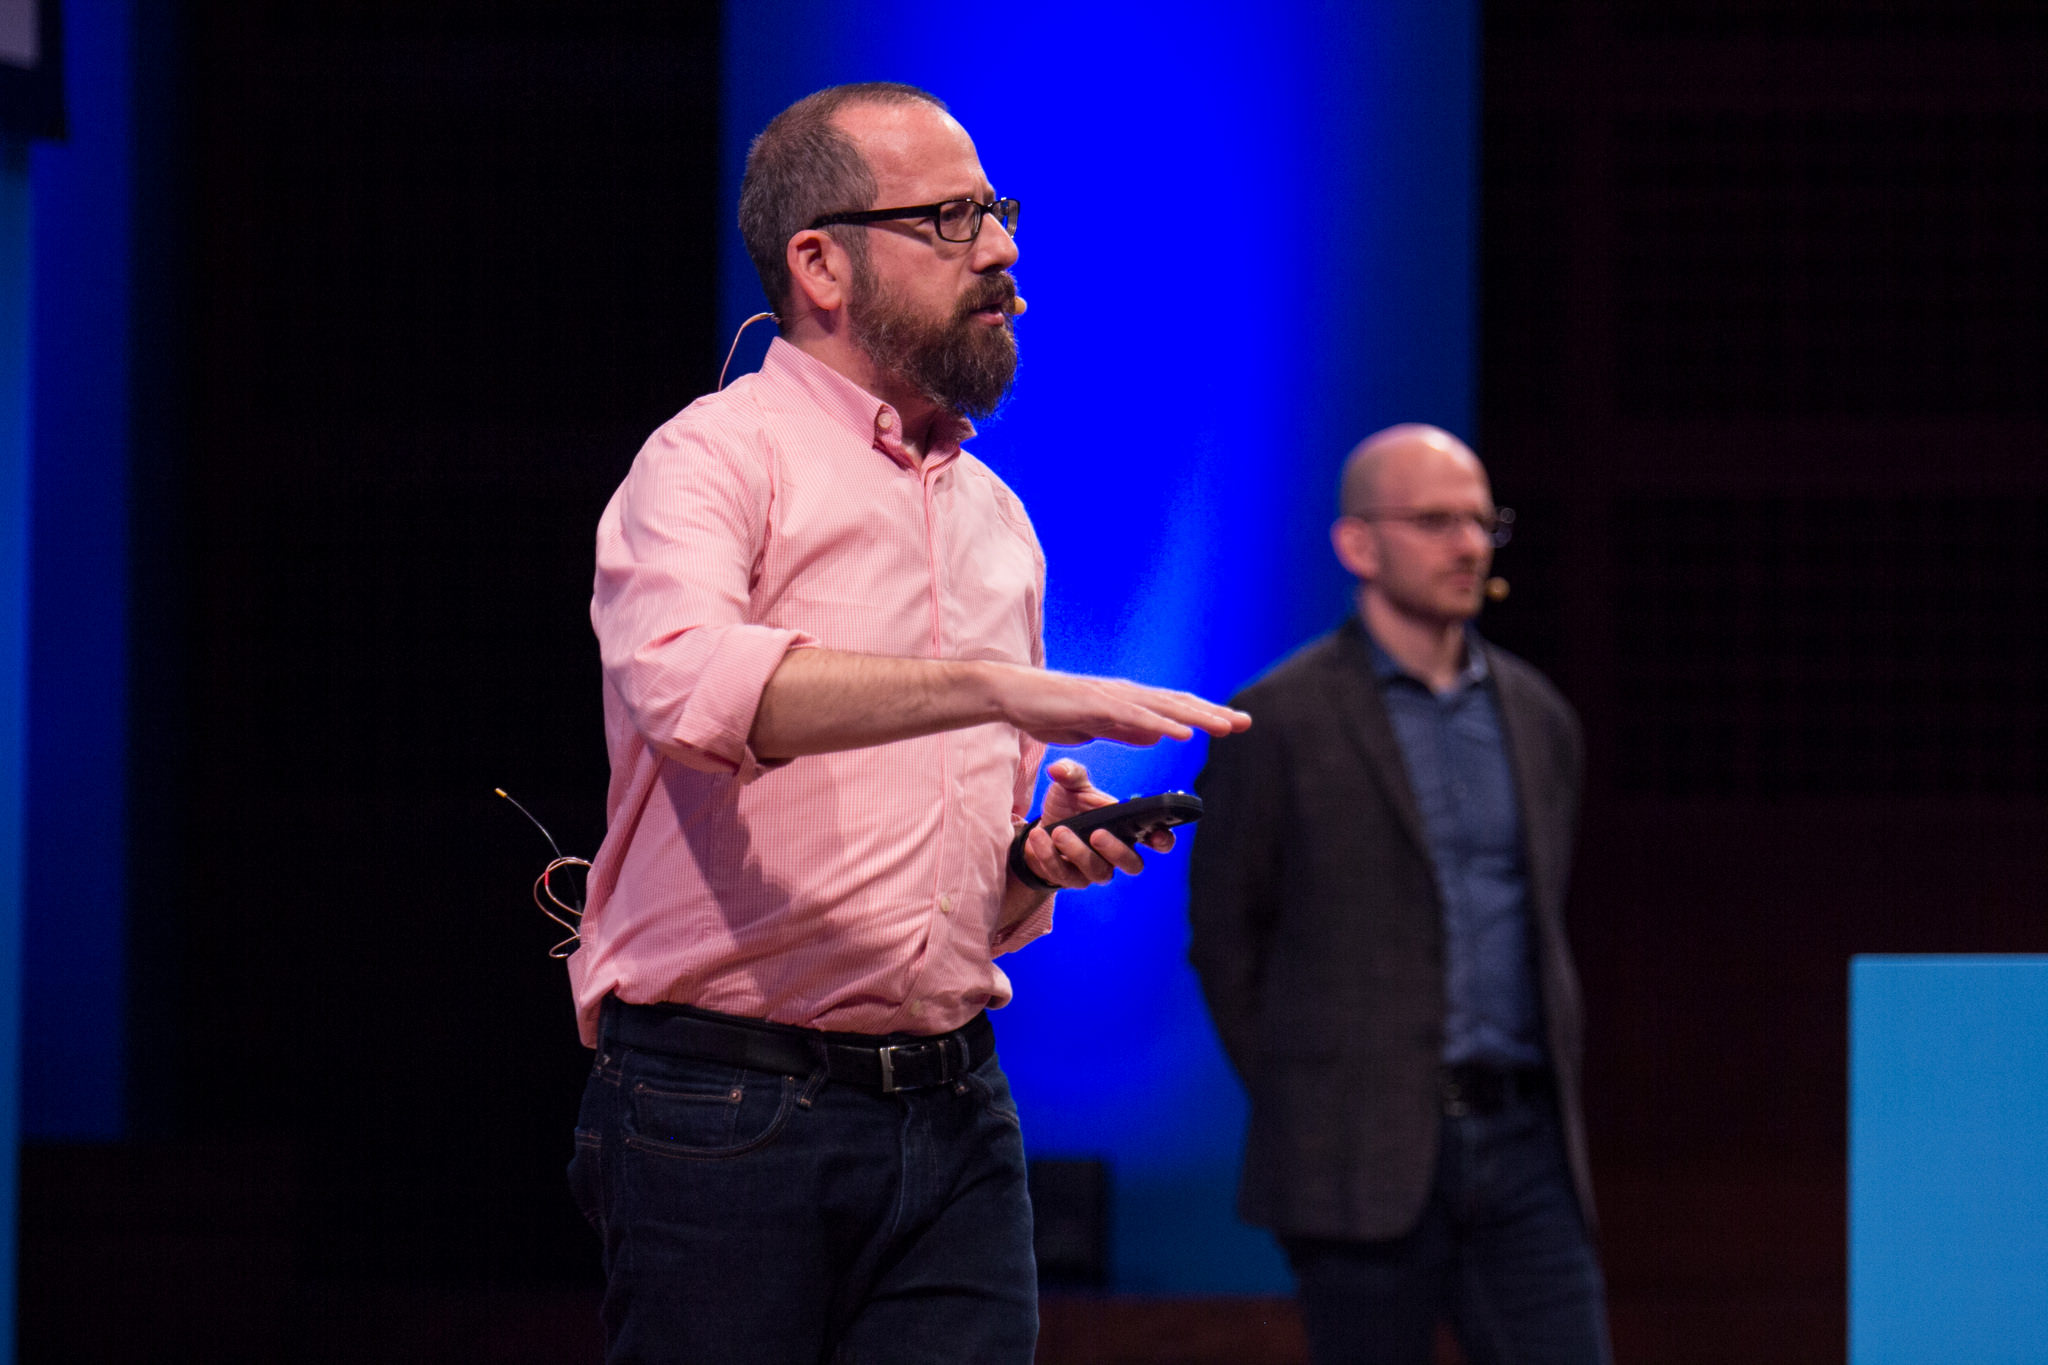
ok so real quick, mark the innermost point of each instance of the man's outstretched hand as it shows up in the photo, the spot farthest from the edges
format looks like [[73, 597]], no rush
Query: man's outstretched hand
[[821, 701], [1070, 708]]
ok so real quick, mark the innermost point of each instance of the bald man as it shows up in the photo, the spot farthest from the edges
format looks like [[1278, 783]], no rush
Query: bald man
[[1377, 903]]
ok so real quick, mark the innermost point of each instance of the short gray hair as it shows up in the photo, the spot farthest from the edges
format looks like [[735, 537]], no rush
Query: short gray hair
[[802, 167]]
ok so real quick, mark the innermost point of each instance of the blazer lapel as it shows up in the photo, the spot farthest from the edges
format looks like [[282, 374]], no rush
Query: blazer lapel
[[1355, 698]]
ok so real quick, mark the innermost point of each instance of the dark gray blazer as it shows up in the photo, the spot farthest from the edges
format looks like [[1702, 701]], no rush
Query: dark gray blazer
[[1318, 936]]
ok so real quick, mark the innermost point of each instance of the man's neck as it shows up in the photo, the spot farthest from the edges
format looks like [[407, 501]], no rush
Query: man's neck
[[837, 349], [1431, 649]]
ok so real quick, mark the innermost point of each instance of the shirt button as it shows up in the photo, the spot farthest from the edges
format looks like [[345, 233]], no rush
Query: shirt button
[[886, 420], [945, 905], [917, 1007]]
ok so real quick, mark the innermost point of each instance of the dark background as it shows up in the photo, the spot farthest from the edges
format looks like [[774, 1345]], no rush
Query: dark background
[[451, 265], [1765, 361], [1765, 336]]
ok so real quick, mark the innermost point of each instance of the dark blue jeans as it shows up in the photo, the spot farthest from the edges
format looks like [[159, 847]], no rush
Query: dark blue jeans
[[751, 1217], [1501, 1252]]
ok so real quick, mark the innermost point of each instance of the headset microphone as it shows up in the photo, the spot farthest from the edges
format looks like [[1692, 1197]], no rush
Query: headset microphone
[[729, 353], [1016, 305], [1496, 589]]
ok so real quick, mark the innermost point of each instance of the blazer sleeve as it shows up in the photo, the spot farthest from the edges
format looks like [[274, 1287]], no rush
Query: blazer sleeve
[[1234, 895]]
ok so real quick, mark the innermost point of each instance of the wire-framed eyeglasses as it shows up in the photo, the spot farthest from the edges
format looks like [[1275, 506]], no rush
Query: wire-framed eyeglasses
[[955, 220], [1498, 526]]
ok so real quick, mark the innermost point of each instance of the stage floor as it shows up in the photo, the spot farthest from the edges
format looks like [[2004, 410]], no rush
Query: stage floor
[[164, 1255]]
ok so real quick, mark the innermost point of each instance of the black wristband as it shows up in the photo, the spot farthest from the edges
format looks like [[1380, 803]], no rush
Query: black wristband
[[1020, 869]]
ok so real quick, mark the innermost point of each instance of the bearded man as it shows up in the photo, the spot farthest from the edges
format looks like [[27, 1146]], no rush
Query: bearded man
[[826, 705]]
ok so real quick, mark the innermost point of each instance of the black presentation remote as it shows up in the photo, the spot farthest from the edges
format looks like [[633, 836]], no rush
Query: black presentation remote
[[1131, 820]]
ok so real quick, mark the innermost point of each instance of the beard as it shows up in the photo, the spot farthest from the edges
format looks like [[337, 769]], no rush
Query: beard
[[1436, 597], [960, 363]]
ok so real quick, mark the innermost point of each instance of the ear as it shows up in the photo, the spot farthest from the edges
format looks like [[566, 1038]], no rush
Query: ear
[[1357, 547], [820, 275]]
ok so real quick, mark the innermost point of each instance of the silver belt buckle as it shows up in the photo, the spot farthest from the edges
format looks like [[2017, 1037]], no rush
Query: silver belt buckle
[[888, 1067], [946, 1053]]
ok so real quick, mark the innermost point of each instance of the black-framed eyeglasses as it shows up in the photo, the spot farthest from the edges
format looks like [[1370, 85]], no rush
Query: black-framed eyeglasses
[[955, 220], [1498, 526]]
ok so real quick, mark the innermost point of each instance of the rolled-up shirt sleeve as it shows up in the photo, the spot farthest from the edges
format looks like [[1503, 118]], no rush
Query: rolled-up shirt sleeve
[[676, 551]]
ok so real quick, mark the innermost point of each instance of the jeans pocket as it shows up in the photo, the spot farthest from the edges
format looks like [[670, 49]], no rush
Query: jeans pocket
[[682, 1109], [586, 1177], [991, 1087]]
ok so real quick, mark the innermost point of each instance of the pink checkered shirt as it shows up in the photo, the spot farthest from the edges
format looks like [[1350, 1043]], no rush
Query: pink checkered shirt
[[859, 890]]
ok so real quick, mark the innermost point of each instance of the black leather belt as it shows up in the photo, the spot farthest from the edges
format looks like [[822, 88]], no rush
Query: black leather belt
[[885, 1062], [1473, 1089]]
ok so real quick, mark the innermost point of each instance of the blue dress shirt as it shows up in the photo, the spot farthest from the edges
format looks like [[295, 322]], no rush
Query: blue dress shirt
[[1457, 760]]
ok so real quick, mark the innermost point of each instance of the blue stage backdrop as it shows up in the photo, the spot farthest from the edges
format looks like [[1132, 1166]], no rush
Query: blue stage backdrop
[[75, 893], [1247, 240], [14, 295]]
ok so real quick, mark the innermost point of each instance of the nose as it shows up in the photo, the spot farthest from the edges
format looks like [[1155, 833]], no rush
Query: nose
[[994, 245]]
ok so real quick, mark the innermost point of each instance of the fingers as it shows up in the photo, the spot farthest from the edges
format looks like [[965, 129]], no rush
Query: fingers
[[1145, 715], [1063, 859], [1188, 709], [1073, 776], [1062, 708], [1044, 852], [1072, 792], [1142, 726], [1128, 720], [1061, 856], [1116, 852]]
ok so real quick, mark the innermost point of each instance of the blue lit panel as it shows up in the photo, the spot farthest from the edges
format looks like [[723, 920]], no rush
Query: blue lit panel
[[14, 294], [76, 856], [1948, 1167], [1246, 242]]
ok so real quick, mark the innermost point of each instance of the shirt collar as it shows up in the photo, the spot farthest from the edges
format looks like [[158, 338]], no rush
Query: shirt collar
[[853, 407], [1386, 668]]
